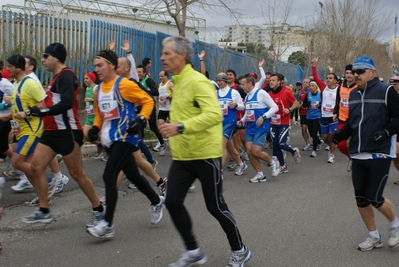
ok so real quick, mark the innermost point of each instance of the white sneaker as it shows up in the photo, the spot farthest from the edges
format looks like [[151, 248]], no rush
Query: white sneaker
[[370, 243], [313, 154], [297, 156], [327, 148], [240, 169], [162, 150], [307, 147], [102, 230], [157, 147], [157, 211], [22, 185], [393, 240], [331, 158], [349, 166], [258, 178], [275, 167]]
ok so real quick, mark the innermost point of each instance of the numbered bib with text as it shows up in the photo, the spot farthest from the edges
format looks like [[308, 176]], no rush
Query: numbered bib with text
[[109, 110]]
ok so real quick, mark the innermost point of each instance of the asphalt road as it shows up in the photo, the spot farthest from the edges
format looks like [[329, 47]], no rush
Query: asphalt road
[[306, 217]]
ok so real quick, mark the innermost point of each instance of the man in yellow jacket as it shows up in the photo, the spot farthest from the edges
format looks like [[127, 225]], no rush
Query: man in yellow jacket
[[195, 132]]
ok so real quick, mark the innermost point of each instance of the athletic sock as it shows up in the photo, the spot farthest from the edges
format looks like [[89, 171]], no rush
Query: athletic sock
[[44, 210], [375, 234], [58, 175], [395, 223], [99, 208], [160, 181]]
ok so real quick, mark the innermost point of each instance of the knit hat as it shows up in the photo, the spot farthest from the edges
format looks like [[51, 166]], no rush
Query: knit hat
[[17, 61], [56, 50], [363, 62], [91, 76], [5, 74], [298, 83], [348, 67], [394, 79], [313, 83], [221, 78]]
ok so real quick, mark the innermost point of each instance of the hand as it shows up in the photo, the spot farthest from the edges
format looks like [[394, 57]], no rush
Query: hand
[[201, 55], [314, 61], [240, 123], [261, 62], [259, 121], [331, 69], [126, 46], [286, 111], [20, 115], [136, 125], [111, 45], [168, 129], [233, 105], [335, 117], [39, 112], [379, 136], [7, 99], [93, 133]]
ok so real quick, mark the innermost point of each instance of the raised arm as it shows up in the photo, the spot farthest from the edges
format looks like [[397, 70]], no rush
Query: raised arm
[[316, 77], [133, 70], [201, 56]]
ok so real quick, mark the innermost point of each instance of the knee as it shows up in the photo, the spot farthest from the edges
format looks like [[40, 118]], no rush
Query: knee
[[172, 203], [362, 202], [377, 203]]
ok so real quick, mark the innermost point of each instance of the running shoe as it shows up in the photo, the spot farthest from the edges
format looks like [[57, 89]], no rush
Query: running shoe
[[245, 156], [2, 182], [157, 147], [190, 258], [232, 165], [52, 186], [240, 169], [13, 174], [327, 148], [96, 218], [38, 217], [162, 187], [60, 185], [330, 158], [103, 200], [34, 202], [157, 211], [105, 157], [102, 230], [370, 243], [275, 167], [283, 169], [349, 166], [258, 178], [162, 150], [132, 186], [307, 147], [59, 158], [313, 154], [237, 259], [297, 156], [100, 151], [154, 164], [22, 185], [393, 240]]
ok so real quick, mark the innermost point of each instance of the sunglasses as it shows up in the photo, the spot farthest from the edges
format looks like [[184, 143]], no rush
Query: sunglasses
[[359, 71], [45, 56]]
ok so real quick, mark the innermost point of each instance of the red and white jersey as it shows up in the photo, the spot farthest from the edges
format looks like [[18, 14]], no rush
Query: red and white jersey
[[62, 95]]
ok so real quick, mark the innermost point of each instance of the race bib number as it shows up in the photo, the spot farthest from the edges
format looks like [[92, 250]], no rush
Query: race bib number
[[328, 108], [224, 107], [276, 119], [314, 104], [89, 109], [109, 110], [15, 128], [250, 115], [345, 103]]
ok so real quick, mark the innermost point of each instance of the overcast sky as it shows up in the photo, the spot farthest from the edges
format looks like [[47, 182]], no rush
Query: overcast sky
[[251, 10]]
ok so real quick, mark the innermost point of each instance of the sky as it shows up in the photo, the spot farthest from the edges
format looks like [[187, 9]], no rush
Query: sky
[[251, 13]]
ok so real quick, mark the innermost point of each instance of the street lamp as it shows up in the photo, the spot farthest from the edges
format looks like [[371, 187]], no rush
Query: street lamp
[[168, 22], [196, 35], [134, 12]]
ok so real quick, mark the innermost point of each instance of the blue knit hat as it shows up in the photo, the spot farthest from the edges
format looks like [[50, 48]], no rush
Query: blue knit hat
[[363, 62]]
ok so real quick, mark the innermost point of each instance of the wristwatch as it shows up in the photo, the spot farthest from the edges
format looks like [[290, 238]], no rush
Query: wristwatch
[[27, 112], [264, 117], [180, 127]]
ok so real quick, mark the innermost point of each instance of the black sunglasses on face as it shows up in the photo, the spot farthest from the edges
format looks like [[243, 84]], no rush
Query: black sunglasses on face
[[359, 71], [45, 56]]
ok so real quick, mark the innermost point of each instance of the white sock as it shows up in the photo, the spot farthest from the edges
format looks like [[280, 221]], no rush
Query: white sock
[[58, 175], [374, 234], [194, 251], [23, 177], [260, 173], [240, 251], [395, 223]]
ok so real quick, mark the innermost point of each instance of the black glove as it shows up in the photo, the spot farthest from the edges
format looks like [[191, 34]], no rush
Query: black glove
[[93, 133], [136, 125], [39, 112], [380, 136]]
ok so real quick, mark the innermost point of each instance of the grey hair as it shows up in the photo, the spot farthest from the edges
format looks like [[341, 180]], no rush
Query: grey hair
[[181, 45]]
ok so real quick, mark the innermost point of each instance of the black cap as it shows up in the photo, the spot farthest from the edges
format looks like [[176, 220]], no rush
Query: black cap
[[17, 61], [56, 50], [298, 83], [348, 67]]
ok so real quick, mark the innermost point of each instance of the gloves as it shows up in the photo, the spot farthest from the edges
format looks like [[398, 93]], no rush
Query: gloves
[[39, 112], [380, 136], [93, 133], [136, 125]]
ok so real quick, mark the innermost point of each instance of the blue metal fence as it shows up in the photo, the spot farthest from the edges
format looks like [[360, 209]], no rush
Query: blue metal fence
[[30, 34]]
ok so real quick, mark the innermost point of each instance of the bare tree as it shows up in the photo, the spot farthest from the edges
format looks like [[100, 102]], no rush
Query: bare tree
[[346, 29]]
